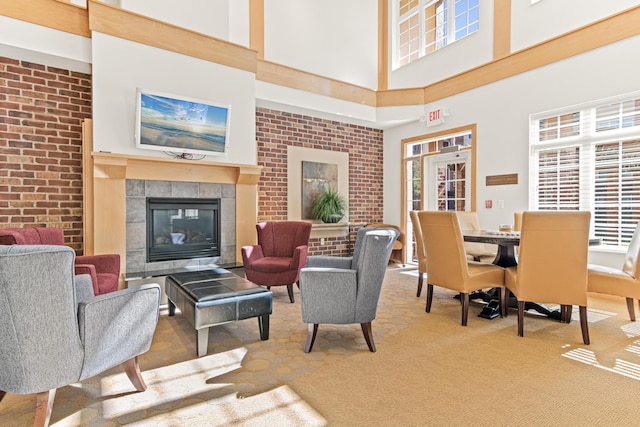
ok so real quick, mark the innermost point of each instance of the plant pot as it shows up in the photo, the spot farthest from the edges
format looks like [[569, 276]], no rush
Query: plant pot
[[333, 219]]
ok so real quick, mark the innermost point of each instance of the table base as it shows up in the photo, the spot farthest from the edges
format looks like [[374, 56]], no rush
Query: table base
[[488, 296]]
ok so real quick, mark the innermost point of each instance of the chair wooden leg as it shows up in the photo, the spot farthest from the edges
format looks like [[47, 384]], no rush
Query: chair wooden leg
[[584, 325], [464, 299], [568, 313], [563, 313], [520, 318], [632, 313], [368, 336], [132, 369], [420, 280], [44, 404], [429, 297], [312, 330], [290, 291]]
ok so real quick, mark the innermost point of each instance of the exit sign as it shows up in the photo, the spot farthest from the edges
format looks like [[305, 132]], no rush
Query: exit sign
[[435, 117]]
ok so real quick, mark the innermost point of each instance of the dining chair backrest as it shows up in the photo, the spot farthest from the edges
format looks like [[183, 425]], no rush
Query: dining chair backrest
[[517, 221], [552, 261], [420, 249], [631, 264], [469, 220], [444, 247]]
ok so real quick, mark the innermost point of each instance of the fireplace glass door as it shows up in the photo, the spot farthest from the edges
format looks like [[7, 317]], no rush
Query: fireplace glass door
[[182, 228]]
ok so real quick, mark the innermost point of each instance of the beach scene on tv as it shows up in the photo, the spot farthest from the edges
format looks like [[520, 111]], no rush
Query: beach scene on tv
[[182, 125]]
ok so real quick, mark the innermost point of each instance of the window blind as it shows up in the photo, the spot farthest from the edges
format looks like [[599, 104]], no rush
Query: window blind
[[588, 158]]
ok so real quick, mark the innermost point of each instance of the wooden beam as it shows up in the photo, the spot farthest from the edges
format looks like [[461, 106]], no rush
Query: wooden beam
[[501, 28], [131, 26], [383, 44], [60, 16], [256, 26], [290, 77]]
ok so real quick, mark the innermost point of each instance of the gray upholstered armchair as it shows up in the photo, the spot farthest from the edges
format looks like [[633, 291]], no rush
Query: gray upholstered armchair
[[342, 290], [52, 336]]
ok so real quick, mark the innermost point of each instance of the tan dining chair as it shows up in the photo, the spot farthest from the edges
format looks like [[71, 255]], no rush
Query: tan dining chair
[[447, 264], [420, 250], [517, 221], [552, 264], [623, 282], [481, 252]]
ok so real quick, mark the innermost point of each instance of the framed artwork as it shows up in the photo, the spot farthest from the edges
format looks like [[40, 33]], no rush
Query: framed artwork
[[308, 171], [315, 178]]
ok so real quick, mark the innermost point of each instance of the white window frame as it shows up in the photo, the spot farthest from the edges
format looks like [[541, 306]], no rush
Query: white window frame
[[439, 43], [614, 237]]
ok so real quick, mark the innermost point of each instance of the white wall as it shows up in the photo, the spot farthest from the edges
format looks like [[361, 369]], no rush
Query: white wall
[[239, 23], [501, 111], [30, 42], [532, 24], [210, 17], [333, 38], [121, 66]]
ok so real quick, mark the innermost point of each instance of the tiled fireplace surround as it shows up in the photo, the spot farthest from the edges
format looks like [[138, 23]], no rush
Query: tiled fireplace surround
[[116, 208], [137, 193]]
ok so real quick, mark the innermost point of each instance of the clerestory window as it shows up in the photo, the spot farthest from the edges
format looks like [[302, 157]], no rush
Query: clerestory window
[[424, 26]]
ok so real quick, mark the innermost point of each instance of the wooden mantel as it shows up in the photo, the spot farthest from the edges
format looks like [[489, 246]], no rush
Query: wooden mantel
[[105, 176]]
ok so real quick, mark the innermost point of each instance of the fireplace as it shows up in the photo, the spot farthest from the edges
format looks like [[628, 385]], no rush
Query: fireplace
[[182, 228]]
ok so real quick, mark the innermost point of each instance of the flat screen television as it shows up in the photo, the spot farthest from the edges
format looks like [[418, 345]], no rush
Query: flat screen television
[[181, 126]]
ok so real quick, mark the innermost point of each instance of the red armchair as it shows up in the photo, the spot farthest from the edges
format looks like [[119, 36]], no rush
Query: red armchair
[[279, 255], [104, 269]]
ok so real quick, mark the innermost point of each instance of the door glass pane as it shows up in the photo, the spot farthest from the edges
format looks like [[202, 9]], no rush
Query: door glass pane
[[451, 186]]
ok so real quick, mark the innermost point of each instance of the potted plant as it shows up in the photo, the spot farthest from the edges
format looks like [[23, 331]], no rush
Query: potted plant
[[329, 206]]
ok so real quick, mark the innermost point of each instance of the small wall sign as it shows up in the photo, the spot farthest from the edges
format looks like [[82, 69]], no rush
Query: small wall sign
[[435, 117], [507, 179]]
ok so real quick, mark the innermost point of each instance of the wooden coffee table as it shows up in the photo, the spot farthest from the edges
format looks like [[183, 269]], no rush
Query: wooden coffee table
[[212, 297]]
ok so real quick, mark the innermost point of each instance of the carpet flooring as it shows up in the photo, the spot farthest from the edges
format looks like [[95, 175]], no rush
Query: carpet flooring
[[428, 370]]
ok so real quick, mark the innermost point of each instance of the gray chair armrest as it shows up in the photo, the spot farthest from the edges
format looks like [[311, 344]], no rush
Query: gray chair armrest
[[117, 326], [329, 261], [320, 285], [84, 288]]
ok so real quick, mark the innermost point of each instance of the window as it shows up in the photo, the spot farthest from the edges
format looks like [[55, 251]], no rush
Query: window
[[424, 26], [588, 158]]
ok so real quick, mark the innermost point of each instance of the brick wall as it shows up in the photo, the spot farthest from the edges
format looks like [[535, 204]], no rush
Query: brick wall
[[41, 113], [276, 130]]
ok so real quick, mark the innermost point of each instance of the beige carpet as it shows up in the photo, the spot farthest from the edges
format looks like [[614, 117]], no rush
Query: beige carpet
[[435, 373], [428, 370]]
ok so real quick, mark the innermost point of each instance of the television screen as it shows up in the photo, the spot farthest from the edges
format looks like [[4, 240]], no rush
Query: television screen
[[181, 126]]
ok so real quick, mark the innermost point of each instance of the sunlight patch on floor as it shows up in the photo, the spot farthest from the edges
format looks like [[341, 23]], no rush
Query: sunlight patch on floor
[[594, 315], [171, 384], [621, 367], [631, 329], [634, 348]]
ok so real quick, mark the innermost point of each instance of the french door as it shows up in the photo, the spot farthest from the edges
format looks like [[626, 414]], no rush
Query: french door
[[437, 175], [447, 180]]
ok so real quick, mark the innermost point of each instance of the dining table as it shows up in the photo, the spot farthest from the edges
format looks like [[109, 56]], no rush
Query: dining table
[[506, 256]]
